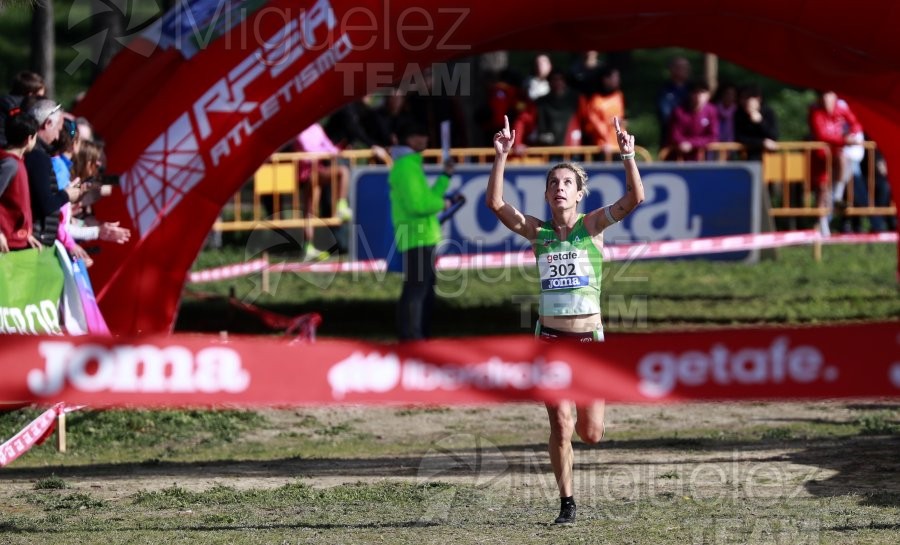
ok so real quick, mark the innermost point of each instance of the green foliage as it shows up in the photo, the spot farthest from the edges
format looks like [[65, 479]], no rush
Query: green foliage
[[294, 494], [791, 107], [51, 483], [74, 501], [853, 282], [881, 423], [120, 433], [778, 434], [129, 428]]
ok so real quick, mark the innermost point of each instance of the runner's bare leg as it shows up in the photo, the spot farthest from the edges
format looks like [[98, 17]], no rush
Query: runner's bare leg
[[590, 424], [562, 426]]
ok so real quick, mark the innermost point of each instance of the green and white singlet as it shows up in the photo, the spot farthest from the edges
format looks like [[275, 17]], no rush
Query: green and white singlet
[[570, 271]]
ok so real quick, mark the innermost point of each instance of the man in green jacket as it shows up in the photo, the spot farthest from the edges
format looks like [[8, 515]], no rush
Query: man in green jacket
[[414, 211]]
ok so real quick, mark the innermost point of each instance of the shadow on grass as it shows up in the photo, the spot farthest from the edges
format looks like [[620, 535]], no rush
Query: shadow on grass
[[859, 527], [375, 320], [358, 319], [231, 528], [867, 466]]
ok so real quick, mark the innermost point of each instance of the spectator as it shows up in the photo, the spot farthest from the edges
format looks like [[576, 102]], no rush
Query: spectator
[[80, 223], [386, 116], [349, 127], [537, 84], [15, 201], [432, 106], [887, 223], [583, 73], [66, 146], [25, 84], [313, 139], [597, 111], [756, 128], [694, 125], [854, 154], [46, 197], [832, 122], [504, 97], [673, 93], [853, 157], [85, 130], [414, 209], [725, 101], [755, 125], [556, 119]]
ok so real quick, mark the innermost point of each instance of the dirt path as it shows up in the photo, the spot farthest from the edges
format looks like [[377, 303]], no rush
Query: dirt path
[[648, 452]]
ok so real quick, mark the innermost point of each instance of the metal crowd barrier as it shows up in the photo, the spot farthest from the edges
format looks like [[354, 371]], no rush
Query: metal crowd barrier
[[273, 197]]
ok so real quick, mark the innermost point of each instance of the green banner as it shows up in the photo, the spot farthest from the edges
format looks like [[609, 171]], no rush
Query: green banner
[[31, 283]]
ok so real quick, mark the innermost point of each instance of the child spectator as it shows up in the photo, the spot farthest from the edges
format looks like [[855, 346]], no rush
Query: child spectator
[[25, 84], [15, 199], [314, 139]]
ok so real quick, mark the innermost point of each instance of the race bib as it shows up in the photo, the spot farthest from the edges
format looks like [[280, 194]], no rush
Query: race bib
[[565, 270]]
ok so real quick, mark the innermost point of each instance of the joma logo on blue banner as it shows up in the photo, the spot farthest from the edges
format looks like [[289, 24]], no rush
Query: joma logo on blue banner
[[681, 202]]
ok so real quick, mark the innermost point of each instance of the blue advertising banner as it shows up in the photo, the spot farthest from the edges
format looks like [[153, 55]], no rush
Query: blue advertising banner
[[681, 202]]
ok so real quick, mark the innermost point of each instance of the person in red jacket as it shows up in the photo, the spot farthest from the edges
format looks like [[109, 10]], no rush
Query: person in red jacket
[[831, 121], [15, 198]]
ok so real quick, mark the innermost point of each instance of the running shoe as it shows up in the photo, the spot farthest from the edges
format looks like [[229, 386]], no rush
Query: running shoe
[[311, 253], [566, 514], [344, 212]]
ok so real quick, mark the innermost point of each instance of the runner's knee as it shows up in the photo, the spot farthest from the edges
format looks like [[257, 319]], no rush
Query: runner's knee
[[590, 434]]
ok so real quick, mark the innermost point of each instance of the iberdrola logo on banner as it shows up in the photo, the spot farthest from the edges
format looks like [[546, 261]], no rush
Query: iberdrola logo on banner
[[31, 282]]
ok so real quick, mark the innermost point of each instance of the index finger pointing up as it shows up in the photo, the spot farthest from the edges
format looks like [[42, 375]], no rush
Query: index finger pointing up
[[618, 127], [506, 124]]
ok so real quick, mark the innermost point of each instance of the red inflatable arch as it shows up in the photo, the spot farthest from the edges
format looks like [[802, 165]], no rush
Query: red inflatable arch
[[191, 108]]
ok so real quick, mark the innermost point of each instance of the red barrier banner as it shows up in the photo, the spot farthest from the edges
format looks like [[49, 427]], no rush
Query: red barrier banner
[[858, 360]]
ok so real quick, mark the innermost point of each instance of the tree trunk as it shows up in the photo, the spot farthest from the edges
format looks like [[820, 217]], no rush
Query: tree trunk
[[43, 44], [113, 21], [711, 70]]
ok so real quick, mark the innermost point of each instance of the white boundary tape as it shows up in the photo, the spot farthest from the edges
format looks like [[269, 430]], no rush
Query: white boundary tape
[[494, 260]]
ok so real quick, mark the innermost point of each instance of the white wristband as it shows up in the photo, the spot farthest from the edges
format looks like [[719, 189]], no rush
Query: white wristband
[[609, 216], [628, 156]]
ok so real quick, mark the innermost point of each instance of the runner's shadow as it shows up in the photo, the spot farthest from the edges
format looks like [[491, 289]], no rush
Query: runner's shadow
[[867, 466]]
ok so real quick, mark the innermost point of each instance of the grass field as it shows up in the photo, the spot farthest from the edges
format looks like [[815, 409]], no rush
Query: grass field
[[850, 283], [805, 472]]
